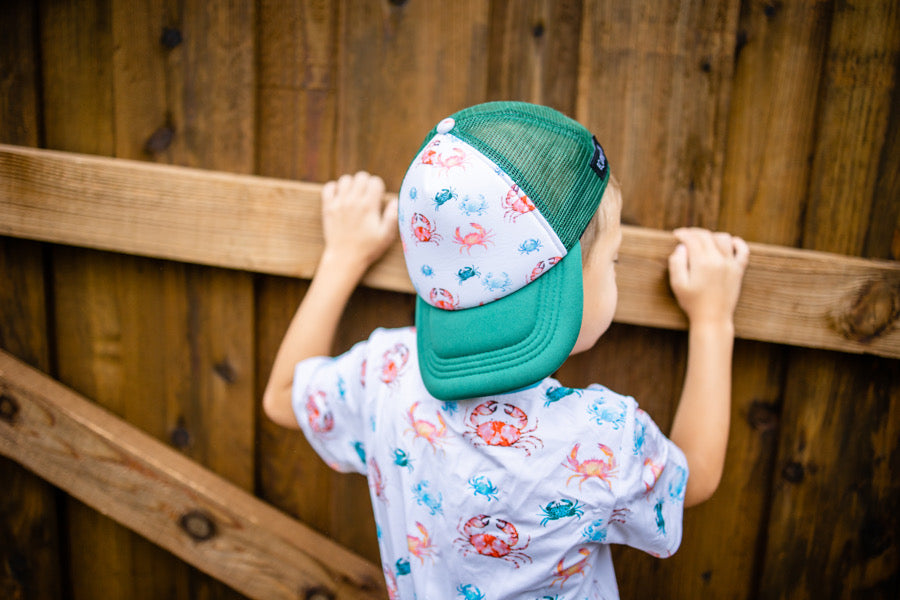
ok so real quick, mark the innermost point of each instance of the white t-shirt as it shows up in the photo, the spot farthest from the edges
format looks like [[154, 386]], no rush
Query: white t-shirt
[[509, 496]]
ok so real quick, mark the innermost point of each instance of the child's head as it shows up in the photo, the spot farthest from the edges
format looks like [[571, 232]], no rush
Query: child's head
[[491, 212]]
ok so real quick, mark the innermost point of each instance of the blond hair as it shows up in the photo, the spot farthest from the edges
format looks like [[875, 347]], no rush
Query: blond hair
[[599, 223]]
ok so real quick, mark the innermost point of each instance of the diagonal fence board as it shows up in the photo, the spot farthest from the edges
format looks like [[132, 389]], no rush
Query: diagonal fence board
[[790, 296], [169, 499]]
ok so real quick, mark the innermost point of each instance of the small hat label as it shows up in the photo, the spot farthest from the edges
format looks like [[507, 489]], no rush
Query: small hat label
[[598, 160]]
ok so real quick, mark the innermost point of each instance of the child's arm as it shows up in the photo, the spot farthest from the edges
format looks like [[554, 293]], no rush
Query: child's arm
[[357, 232], [705, 271]]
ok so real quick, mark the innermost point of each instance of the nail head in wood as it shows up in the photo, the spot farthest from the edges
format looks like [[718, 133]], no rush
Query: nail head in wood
[[9, 408], [198, 525]]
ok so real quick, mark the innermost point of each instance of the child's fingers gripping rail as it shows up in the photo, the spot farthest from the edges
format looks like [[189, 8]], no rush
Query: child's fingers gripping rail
[[705, 272], [356, 226]]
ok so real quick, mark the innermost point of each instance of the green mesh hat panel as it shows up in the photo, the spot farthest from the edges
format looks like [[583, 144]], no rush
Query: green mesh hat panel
[[546, 153]]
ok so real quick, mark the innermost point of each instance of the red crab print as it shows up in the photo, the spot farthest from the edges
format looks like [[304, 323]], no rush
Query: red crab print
[[443, 299], [428, 431], [592, 467], [376, 481], [563, 573], [478, 236], [542, 266], [423, 230], [449, 159], [492, 537], [320, 418], [516, 204], [507, 428], [393, 361]]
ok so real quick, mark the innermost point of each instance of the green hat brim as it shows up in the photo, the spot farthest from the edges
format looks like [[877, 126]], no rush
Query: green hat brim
[[505, 345]]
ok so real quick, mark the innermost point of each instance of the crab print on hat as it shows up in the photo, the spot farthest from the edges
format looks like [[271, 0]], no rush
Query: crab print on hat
[[463, 218]]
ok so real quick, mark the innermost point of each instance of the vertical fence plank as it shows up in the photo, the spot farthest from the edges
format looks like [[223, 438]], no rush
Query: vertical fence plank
[[832, 529], [297, 105], [404, 66], [771, 132], [167, 346], [654, 86], [76, 43], [534, 52], [29, 542]]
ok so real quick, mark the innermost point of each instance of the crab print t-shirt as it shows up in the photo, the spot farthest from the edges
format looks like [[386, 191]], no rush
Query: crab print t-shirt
[[511, 496]]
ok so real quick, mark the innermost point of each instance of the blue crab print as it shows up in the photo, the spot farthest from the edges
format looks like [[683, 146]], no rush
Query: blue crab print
[[466, 273], [444, 196], [604, 413], [639, 433], [561, 509], [427, 271], [360, 451], [449, 406], [427, 499], [677, 485], [529, 246], [402, 459], [472, 207], [660, 522], [555, 394], [342, 388], [413, 192], [496, 283], [402, 566], [469, 592], [595, 532], [482, 486]]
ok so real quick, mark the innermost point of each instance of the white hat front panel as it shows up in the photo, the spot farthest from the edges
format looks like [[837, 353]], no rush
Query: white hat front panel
[[470, 235]]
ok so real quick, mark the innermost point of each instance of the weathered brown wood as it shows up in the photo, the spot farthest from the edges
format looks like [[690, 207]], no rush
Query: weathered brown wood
[[534, 52], [296, 140], [168, 498], [29, 528], [790, 296], [297, 82], [193, 387], [403, 67], [833, 522], [770, 135]]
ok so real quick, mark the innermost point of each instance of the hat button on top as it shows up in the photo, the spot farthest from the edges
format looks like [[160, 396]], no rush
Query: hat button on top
[[446, 125]]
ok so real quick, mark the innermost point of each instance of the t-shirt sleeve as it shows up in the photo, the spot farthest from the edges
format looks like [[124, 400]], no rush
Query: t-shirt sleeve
[[649, 508], [328, 398]]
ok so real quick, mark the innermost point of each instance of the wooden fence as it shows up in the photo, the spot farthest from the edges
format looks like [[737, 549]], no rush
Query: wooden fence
[[777, 121]]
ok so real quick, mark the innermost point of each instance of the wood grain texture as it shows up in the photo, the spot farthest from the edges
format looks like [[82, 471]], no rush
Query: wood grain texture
[[136, 93], [840, 421], [403, 67], [168, 498], [534, 52], [790, 296]]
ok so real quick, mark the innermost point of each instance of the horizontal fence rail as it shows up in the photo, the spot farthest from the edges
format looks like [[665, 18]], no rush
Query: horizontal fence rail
[[169, 499], [790, 296]]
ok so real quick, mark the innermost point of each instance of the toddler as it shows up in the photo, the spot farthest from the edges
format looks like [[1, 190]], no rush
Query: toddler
[[489, 479]]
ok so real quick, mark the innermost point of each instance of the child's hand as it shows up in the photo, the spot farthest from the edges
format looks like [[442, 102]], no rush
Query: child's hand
[[357, 230], [705, 272]]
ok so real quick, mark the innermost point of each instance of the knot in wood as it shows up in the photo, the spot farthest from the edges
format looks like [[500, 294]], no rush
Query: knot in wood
[[9, 408], [318, 593], [198, 525], [873, 310], [171, 38], [763, 416], [159, 140], [793, 472]]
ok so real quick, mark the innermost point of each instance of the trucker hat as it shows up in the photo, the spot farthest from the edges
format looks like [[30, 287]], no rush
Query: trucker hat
[[491, 212]]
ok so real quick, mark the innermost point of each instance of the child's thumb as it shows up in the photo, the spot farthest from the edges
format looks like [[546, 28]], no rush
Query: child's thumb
[[678, 267]]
